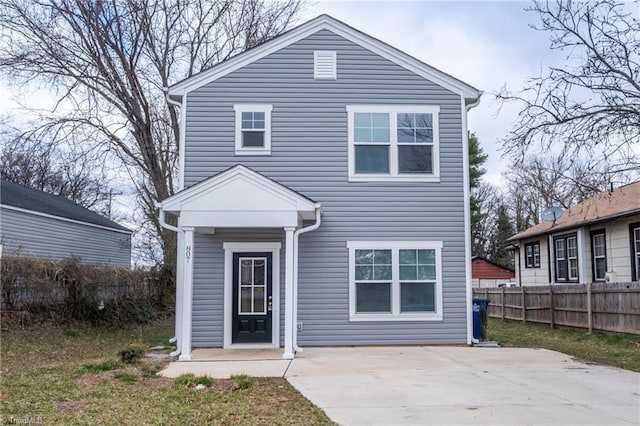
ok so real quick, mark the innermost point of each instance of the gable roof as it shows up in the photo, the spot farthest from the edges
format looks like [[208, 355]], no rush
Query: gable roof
[[33, 200], [607, 205], [325, 22], [219, 193]]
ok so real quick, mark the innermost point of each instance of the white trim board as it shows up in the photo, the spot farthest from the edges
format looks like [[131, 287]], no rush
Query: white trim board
[[235, 247], [64, 219], [325, 22]]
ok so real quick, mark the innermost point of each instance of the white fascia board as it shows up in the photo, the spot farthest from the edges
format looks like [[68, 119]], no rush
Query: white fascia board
[[64, 219], [326, 23]]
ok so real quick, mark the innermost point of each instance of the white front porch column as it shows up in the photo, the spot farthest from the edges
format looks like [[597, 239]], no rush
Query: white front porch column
[[179, 286], [187, 294], [288, 294]]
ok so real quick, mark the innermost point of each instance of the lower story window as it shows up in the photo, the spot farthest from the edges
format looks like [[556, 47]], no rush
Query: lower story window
[[395, 280], [634, 233], [566, 255], [599, 255]]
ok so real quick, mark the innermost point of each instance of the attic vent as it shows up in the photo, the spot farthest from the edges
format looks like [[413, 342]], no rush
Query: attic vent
[[324, 65]]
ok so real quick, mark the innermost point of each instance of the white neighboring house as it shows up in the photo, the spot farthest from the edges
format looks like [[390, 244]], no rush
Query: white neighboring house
[[597, 240]]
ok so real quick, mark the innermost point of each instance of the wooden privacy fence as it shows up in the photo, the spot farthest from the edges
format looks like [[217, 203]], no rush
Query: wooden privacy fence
[[595, 306]]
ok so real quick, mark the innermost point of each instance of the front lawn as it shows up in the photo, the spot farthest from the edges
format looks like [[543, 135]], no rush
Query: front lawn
[[615, 349], [53, 375]]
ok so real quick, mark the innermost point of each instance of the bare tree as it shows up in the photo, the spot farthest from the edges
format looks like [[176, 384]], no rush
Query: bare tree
[[487, 200], [539, 182], [46, 167], [590, 106], [108, 62]]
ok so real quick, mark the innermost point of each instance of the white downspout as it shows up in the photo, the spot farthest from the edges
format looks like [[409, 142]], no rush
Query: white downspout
[[467, 216], [309, 228], [165, 225]]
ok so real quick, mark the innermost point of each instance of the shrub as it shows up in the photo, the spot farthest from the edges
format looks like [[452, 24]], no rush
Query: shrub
[[68, 291], [131, 354], [242, 381], [191, 380]]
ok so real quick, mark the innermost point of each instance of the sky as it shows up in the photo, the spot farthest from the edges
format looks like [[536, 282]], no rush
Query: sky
[[486, 44], [489, 45]]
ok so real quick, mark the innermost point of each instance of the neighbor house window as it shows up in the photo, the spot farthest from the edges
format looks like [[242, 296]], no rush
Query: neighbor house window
[[634, 234], [253, 129], [599, 255], [532, 255], [395, 281], [566, 255], [393, 143]]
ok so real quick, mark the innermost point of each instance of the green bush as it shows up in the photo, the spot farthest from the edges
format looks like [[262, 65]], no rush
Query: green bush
[[242, 381], [131, 354], [191, 380]]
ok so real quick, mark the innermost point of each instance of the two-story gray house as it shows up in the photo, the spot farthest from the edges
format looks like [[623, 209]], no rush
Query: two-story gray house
[[325, 197]]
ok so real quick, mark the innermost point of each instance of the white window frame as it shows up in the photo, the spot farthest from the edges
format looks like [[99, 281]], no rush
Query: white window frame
[[253, 150], [594, 261], [393, 111], [566, 259], [395, 247], [532, 258]]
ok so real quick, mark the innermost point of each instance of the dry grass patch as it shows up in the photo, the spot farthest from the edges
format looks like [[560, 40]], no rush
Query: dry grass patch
[[70, 376]]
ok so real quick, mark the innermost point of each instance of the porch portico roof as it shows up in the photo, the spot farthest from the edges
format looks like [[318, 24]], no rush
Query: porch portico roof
[[240, 197]]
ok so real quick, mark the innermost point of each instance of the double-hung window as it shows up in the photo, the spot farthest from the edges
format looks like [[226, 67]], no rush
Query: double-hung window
[[395, 280], [599, 255], [634, 234], [393, 143], [253, 129], [532, 255], [566, 256]]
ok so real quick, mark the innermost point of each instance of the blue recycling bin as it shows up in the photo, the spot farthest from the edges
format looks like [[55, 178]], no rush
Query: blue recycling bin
[[480, 307]]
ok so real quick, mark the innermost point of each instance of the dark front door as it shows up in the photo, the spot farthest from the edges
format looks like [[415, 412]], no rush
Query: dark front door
[[252, 279]]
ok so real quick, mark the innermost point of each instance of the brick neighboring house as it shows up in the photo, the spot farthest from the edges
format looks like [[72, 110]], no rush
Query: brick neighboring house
[[485, 273]]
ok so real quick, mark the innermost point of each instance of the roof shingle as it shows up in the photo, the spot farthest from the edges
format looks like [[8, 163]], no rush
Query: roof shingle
[[20, 196]]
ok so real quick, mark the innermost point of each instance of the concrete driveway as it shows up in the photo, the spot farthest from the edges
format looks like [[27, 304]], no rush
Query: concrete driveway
[[459, 385], [450, 385]]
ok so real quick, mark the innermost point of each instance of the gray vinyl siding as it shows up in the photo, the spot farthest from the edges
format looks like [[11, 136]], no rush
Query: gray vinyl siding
[[208, 278], [27, 234], [309, 155]]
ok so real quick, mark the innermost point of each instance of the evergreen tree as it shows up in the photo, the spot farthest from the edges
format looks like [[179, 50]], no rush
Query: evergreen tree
[[476, 159], [504, 230]]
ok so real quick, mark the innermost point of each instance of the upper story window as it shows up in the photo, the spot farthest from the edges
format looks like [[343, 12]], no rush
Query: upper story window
[[532, 255], [253, 129], [389, 143]]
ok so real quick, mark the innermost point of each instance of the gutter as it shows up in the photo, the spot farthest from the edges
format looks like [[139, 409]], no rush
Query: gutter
[[296, 234]]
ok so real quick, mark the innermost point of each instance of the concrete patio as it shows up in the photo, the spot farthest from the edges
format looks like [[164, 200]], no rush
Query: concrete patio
[[440, 385]]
